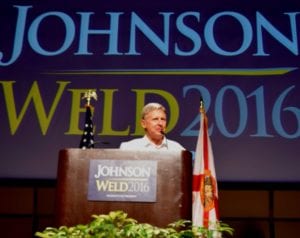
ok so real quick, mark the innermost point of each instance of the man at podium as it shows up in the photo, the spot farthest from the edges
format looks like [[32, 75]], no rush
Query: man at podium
[[154, 122], [165, 192]]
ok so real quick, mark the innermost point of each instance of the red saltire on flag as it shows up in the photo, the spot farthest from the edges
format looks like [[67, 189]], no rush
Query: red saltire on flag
[[205, 189]]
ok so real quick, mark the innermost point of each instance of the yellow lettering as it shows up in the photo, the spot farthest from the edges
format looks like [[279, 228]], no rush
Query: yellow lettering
[[102, 185], [123, 187], [34, 95], [111, 186], [107, 115], [75, 111]]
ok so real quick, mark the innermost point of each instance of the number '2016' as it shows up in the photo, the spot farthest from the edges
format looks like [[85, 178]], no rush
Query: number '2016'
[[278, 109]]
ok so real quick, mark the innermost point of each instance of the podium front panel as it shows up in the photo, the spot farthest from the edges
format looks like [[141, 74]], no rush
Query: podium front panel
[[174, 187]]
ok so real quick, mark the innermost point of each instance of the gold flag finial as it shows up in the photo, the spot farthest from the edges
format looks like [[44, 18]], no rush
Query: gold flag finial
[[89, 95], [202, 108]]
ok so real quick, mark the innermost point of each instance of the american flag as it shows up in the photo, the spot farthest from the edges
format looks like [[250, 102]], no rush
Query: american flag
[[87, 139], [205, 190]]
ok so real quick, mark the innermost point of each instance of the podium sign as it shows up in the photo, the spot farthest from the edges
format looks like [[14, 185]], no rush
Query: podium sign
[[122, 180], [172, 171]]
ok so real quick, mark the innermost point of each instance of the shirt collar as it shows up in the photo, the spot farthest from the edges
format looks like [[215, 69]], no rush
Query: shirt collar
[[149, 143]]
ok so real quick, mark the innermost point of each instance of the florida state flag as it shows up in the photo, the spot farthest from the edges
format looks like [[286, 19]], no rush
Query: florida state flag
[[205, 189]]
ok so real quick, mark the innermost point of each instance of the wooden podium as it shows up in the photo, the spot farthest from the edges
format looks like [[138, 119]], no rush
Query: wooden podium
[[173, 187]]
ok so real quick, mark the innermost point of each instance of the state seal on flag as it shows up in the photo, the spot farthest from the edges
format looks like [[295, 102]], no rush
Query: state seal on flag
[[208, 190]]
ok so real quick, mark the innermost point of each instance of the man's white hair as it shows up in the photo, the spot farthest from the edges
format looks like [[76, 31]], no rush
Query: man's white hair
[[151, 107]]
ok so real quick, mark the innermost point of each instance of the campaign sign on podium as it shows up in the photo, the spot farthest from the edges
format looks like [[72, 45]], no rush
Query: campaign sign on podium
[[122, 180]]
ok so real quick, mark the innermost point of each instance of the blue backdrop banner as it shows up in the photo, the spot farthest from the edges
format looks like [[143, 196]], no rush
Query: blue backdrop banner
[[243, 60]]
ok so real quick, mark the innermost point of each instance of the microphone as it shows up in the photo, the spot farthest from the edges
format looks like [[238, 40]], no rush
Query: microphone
[[97, 143]]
